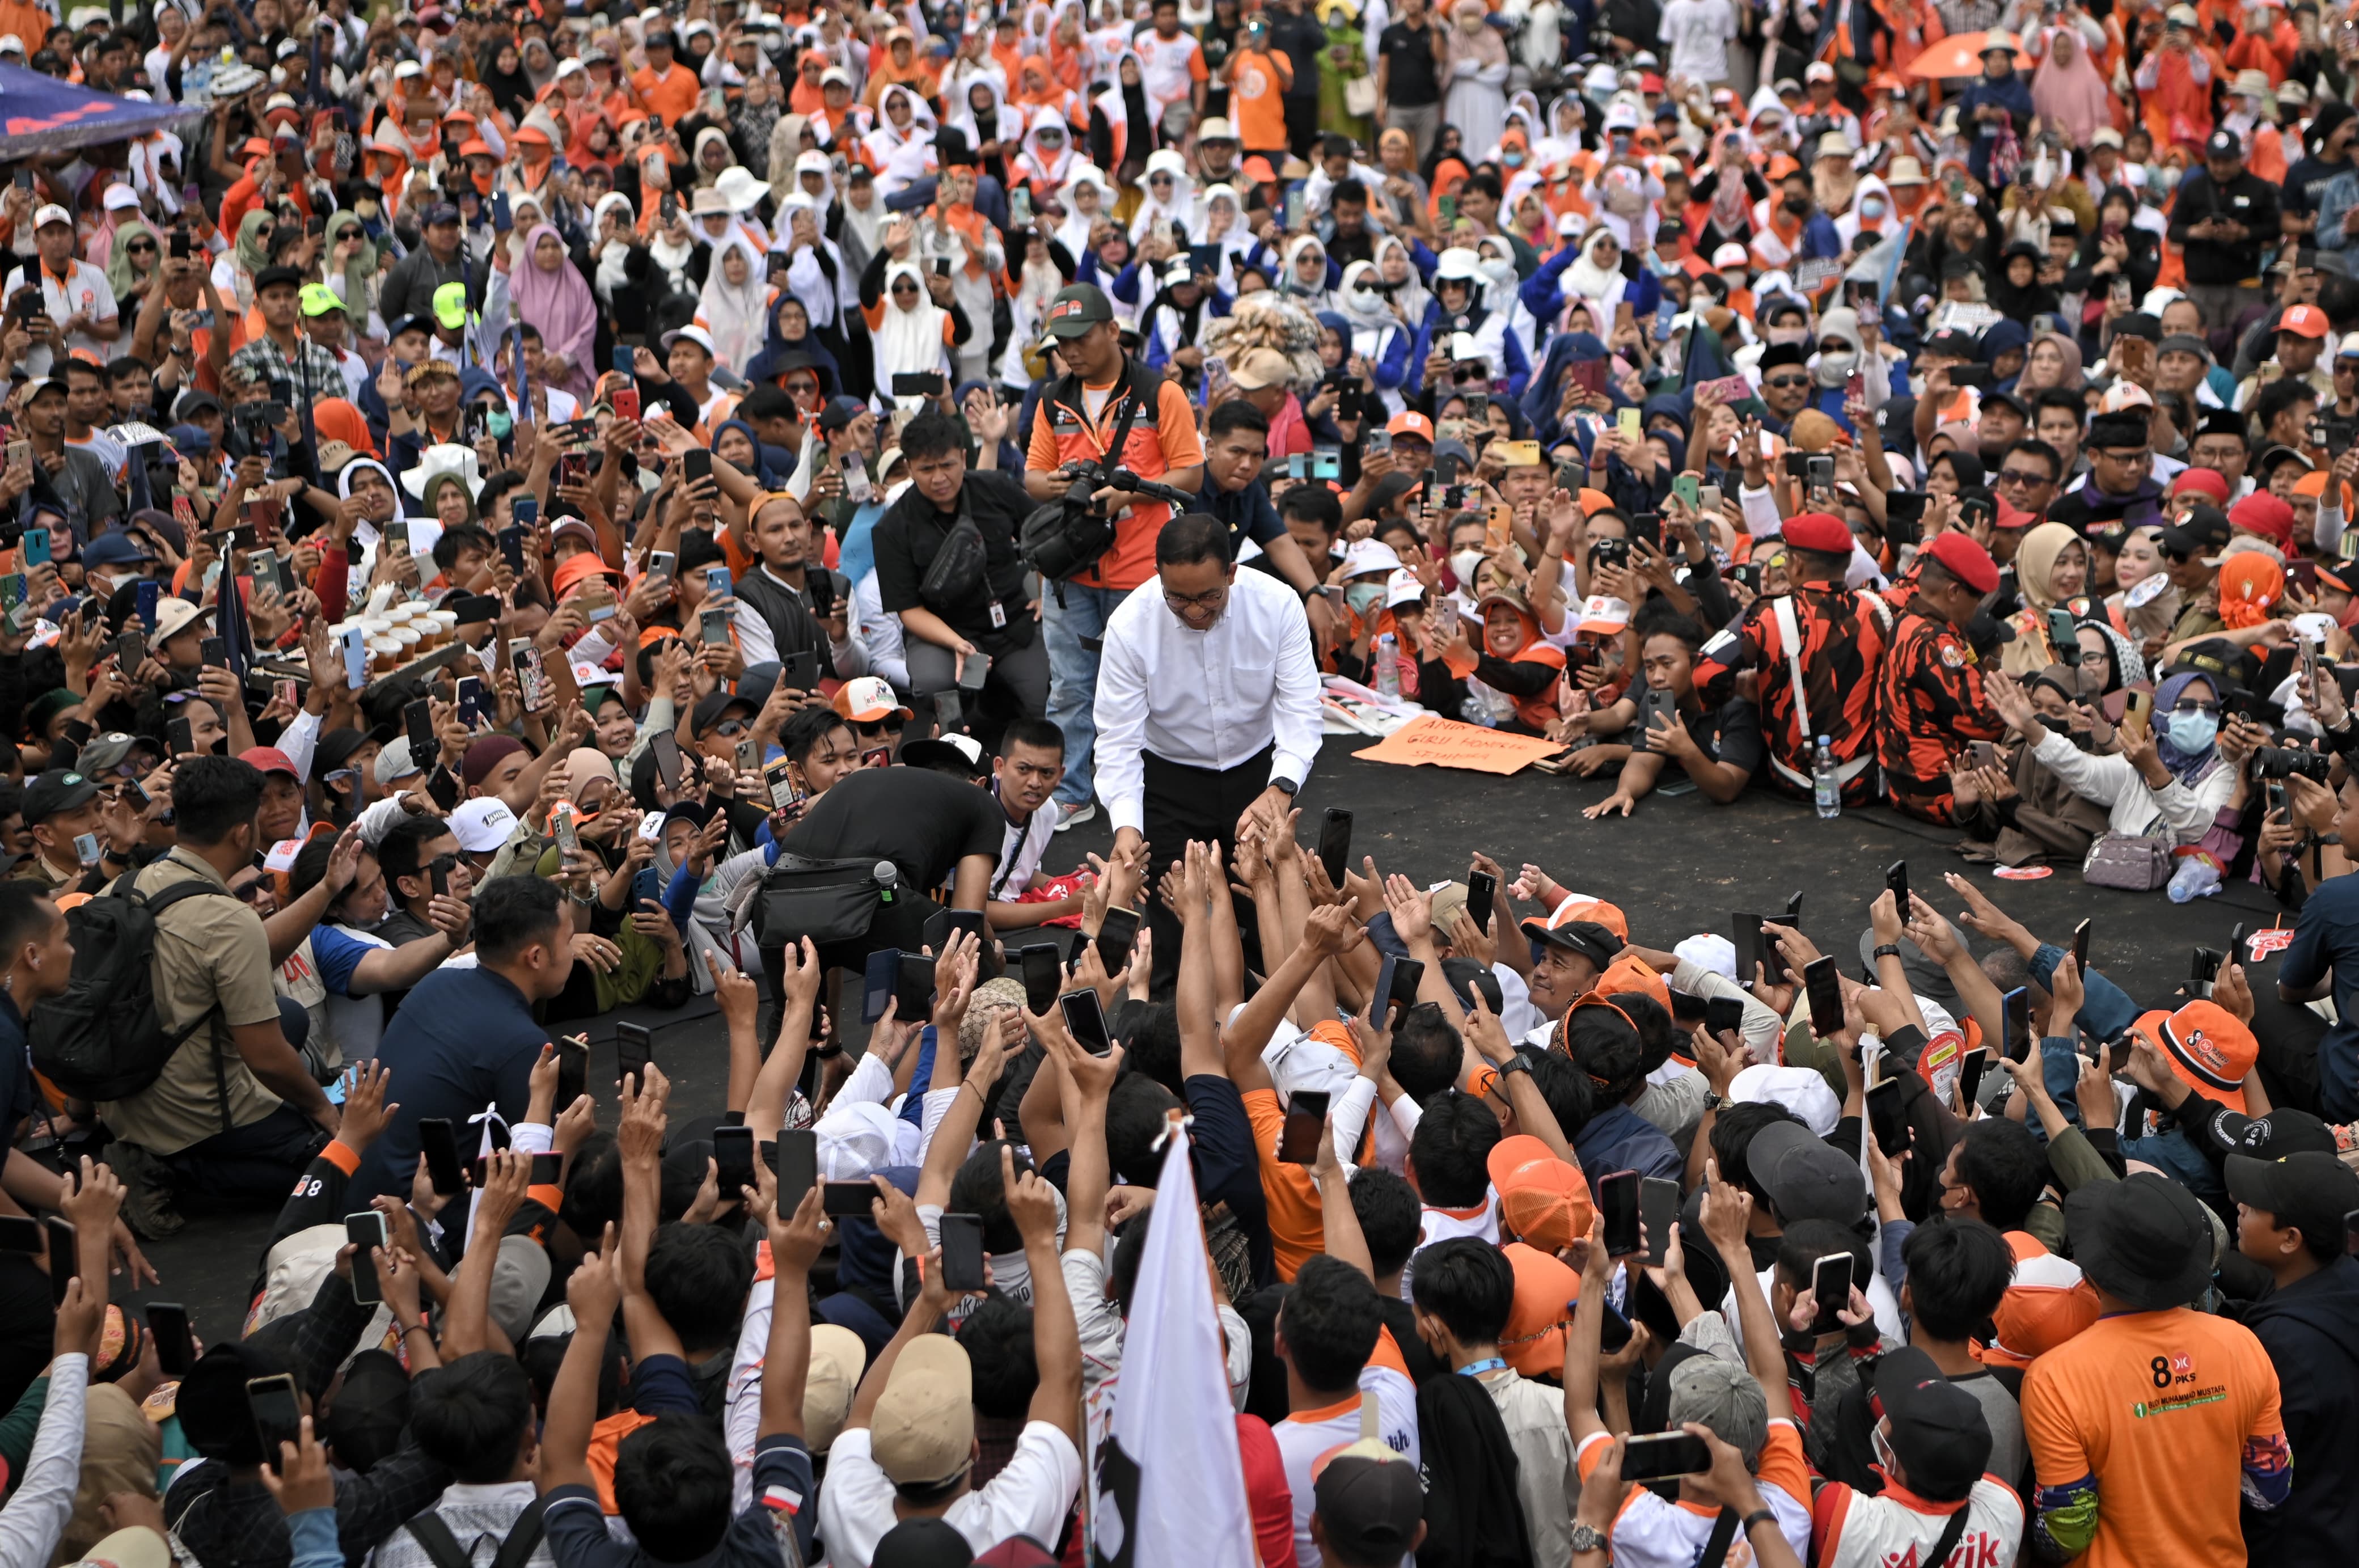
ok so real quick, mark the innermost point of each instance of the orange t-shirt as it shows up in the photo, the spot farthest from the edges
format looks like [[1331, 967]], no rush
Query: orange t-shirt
[[1255, 95], [1155, 448], [668, 97], [2158, 1407]]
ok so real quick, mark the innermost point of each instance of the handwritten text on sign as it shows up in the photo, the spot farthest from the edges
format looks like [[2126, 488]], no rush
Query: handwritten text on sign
[[1438, 742]]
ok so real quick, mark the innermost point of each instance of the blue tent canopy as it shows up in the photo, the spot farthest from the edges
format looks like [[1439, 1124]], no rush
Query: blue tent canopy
[[39, 114]]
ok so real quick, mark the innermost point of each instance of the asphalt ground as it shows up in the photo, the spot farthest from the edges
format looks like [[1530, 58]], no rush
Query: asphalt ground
[[1676, 867]]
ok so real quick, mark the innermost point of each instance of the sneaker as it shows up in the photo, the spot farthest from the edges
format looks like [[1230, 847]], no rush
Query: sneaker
[[147, 1192], [1073, 816]]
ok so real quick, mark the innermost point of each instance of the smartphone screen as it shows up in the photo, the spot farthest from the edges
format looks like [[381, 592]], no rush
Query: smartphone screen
[[913, 985], [1306, 1124], [733, 1153], [1830, 1292], [847, 1200], [1335, 843], [1825, 989], [1664, 1456], [635, 1047], [418, 718], [168, 1322], [278, 1416], [2015, 1010], [1724, 1015], [1380, 1000], [961, 1237], [2081, 946], [440, 1147], [1044, 977], [796, 1165], [1970, 1072], [1659, 1206], [65, 1262], [1407, 976], [1481, 890], [1886, 1119], [365, 1230], [1618, 1200], [1114, 938], [1085, 1020]]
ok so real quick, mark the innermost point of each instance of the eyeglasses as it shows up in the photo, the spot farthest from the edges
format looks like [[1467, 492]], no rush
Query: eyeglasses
[[2094, 655], [730, 727], [1196, 601], [905, 287], [136, 246], [1782, 381], [2188, 705], [2021, 476], [879, 727]]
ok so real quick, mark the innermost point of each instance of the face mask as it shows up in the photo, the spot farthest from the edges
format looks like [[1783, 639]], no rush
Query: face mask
[[1367, 301], [1498, 271], [1796, 335], [1797, 205], [1834, 369], [1512, 157], [1735, 280], [1364, 597], [499, 422], [1465, 565], [1871, 209], [2191, 732], [2160, 182]]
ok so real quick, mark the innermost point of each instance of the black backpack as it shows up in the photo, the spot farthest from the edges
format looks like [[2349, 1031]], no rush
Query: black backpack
[[103, 1038]]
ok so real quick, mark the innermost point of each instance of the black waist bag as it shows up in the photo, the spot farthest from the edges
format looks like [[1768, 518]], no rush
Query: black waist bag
[[826, 900]]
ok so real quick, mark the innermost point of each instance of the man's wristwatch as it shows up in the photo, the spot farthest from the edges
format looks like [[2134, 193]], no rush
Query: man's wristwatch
[[1584, 1539], [1286, 786], [1517, 1063], [1888, 949]]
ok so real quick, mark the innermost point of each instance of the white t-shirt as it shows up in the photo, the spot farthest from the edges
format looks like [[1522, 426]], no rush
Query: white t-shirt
[[1480, 1221], [1698, 32], [1651, 1533], [1165, 71], [1031, 1497], [1305, 1439], [83, 291]]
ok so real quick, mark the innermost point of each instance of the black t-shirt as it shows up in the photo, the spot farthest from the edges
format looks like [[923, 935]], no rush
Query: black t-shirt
[[1730, 733], [1414, 80], [923, 822], [911, 532]]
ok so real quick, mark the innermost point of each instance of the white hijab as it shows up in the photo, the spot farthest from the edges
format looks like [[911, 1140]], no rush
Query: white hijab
[[1180, 208], [1073, 234], [736, 313], [1603, 287], [910, 341], [1412, 293]]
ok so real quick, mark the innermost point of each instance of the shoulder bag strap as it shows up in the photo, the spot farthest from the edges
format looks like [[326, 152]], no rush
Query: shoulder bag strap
[[434, 1539], [1952, 1533], [156, 904], [524, 1536], [1724, 1532]]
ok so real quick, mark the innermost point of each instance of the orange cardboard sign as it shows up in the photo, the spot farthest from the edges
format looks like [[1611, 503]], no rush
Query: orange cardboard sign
[[1433, 741]]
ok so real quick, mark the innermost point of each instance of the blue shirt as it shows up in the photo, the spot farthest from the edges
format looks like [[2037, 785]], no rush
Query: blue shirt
[[783, 1490], [2327, 937], [337, 954], [463, 1038], [1619, 1138]]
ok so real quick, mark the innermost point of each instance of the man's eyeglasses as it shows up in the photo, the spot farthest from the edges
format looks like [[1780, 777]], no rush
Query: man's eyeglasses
[[1782, 381], [877, 728], [2021, 476], [733, 728], [1196, 601]]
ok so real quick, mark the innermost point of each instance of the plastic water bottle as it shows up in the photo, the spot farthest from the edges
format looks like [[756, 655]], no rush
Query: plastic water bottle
[[889, 879], [2198, 876], [1387, 664], [1826, 783]]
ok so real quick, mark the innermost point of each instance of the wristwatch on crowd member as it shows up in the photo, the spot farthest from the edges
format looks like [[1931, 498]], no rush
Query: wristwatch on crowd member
[[1585, 1538], [1288, 787]]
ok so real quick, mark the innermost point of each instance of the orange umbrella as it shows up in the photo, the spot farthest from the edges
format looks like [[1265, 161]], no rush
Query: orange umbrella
[[1953, 57]]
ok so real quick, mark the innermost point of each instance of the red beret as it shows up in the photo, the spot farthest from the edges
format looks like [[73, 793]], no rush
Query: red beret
[[1819, 531], [1964, 560], [2203, 482], [2265, 514]]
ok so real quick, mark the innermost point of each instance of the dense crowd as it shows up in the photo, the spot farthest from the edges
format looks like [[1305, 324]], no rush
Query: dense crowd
[[518, 519]]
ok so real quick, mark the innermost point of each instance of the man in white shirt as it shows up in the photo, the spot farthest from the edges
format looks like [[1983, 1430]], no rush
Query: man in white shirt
[[1208, 705], [79, 305]]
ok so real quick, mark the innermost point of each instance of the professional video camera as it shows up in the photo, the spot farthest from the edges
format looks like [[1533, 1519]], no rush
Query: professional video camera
[[1067, 535]]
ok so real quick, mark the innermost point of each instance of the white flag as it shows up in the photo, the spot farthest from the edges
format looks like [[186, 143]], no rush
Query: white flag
[[1171, 1488]]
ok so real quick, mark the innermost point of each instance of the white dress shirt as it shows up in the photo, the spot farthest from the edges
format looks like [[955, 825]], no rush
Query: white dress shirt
[[1208, 699]]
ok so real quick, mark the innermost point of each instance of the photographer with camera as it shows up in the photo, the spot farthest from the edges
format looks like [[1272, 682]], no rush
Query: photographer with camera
[[1110, 417]]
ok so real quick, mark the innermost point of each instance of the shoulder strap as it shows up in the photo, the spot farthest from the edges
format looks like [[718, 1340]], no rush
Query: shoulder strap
[[524, 1536], [1724, 1532], [434, 1539], [1952, 1533], [156, 904], [1790, 634], [195, 887]]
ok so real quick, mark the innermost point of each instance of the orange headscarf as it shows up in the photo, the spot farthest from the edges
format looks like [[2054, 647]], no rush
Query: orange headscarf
[[337, 419], [2249, 583]]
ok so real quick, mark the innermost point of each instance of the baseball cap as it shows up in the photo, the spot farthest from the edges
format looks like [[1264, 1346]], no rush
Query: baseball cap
[[2209, 1048], [1262, 367], [110, 751], [1543, 1200], [1801, 1090], [439, 212], [173, 617], [1592, 939], [483, 824], [1724, 1398], [2223, 144], [1370, 1505], [1937, 1429], [2309, 1191], [1410, 423], [52, 213], [114, 550], [319, 299], [867, 699], [923, 1431], [1602, 612], [393, 761], [1731, 253], [1077, 307], [59, 789], [2198, 533], [270, 760], [2303, 321], [1805, 1179], [696, 335]]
